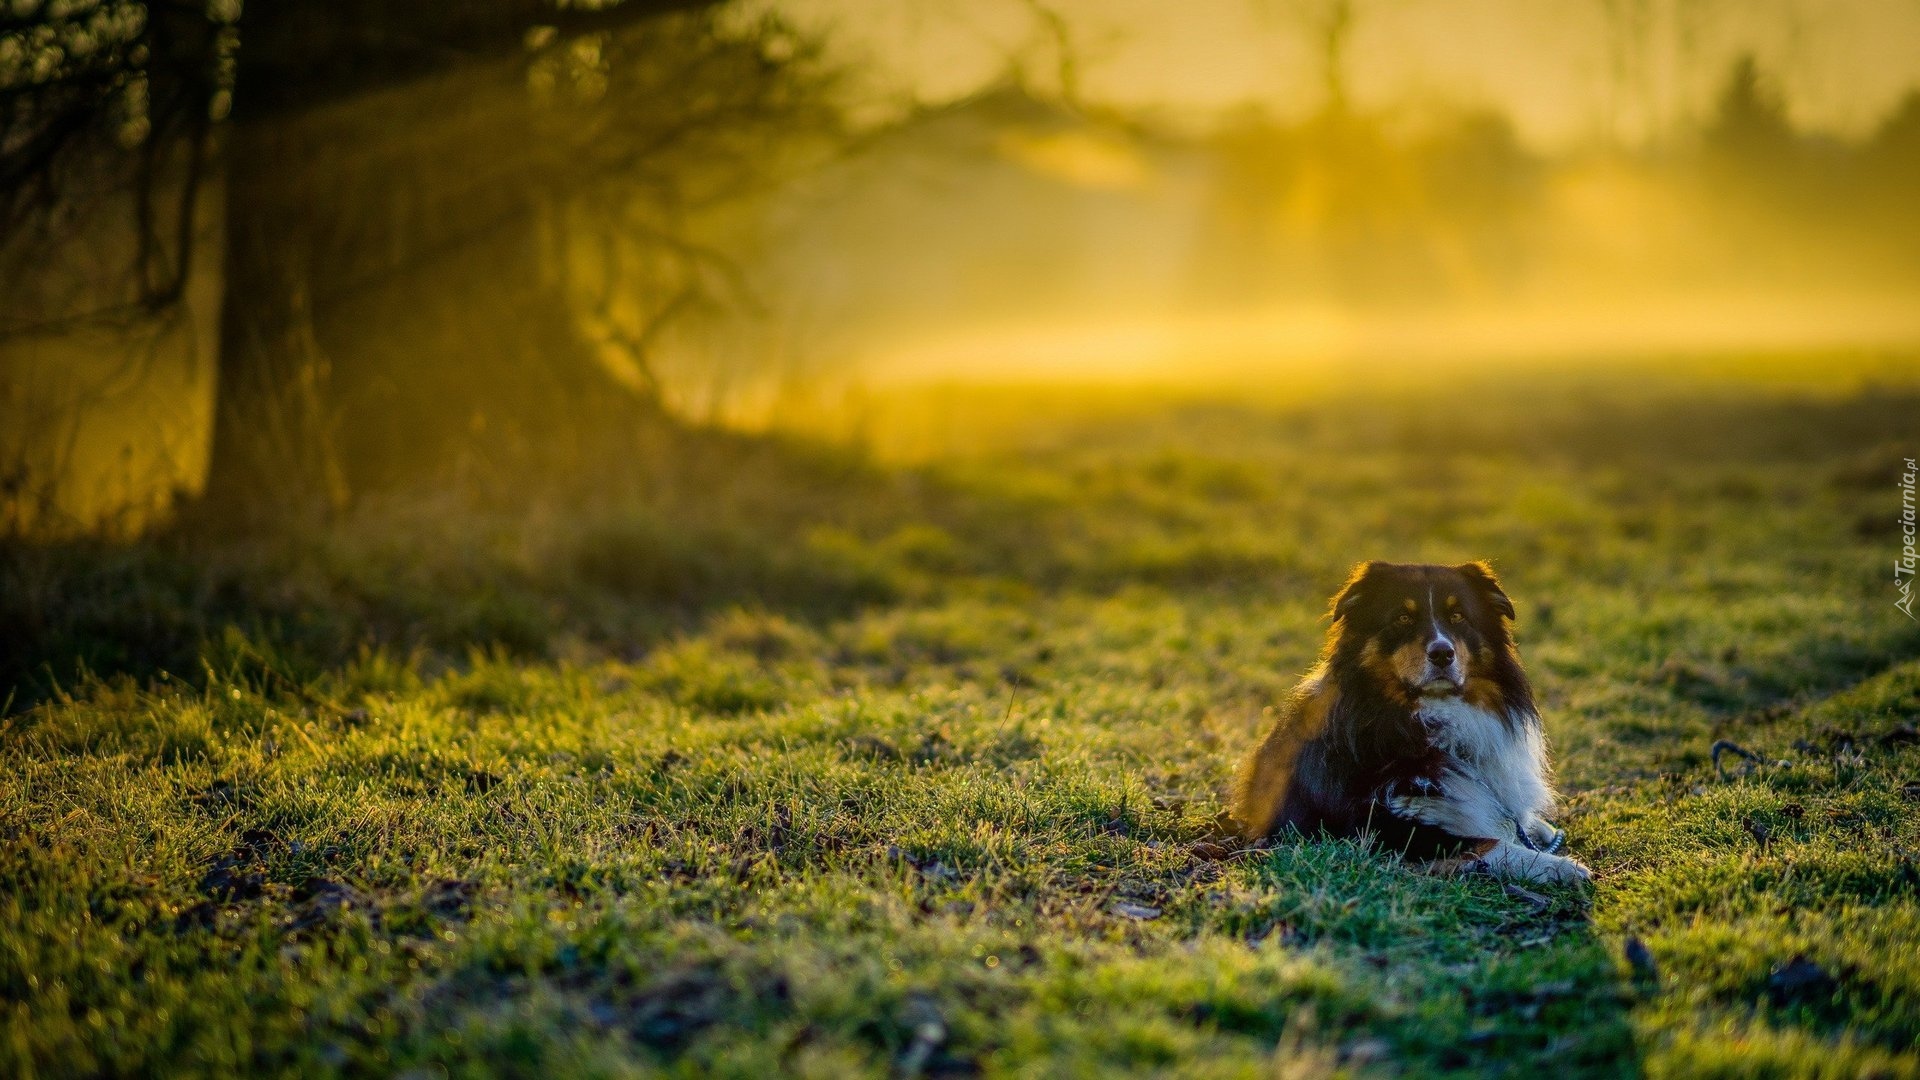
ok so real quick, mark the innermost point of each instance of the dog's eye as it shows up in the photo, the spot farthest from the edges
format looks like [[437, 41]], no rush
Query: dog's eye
[[1457, 617], [1405, 620]]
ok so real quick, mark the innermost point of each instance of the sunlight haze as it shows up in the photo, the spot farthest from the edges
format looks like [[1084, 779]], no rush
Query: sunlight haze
[[1565, 71]]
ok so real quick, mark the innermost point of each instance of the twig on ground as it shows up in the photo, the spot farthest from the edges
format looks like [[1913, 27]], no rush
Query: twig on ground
[[1726, 746]]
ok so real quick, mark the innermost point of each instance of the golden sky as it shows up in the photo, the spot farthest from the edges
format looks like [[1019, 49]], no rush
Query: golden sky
[[1564, 70]]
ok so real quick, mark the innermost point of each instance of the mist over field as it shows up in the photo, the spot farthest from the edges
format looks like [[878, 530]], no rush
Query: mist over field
[[1239, 192]]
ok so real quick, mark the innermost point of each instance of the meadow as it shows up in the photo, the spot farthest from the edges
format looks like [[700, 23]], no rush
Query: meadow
[[777, 757]]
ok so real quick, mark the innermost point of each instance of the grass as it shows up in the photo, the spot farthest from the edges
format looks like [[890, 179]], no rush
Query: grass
[[810, 765]]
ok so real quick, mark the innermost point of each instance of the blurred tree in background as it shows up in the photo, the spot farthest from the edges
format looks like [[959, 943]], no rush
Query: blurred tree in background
[[98, 99], [451, 231], [360, 245]]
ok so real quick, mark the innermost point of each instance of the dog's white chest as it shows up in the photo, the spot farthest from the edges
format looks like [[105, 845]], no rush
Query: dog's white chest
[[1507, 758], [1470, 733]]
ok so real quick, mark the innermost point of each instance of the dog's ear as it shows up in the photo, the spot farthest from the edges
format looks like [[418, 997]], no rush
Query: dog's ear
[[1480, 574], [1354, 590]]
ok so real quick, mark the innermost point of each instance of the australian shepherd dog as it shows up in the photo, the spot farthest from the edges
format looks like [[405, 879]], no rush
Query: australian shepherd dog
[[1417, 727]]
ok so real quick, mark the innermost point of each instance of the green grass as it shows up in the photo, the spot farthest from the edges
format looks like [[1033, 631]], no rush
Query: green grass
[[809, 765]]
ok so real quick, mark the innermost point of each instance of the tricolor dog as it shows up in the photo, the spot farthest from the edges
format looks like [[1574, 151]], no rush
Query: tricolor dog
[[1417, 727]]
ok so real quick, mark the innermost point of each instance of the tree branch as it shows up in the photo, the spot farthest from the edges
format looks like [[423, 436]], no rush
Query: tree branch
[[305, 53]]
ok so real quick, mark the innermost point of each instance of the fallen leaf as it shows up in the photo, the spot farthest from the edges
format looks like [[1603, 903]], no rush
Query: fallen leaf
[[1800, 979], [1904, 735], [322, 900], [1640, 960]]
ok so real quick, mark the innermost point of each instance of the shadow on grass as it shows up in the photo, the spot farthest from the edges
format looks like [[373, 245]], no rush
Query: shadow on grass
[[1476, 976], [709, 521], [1229, 501]]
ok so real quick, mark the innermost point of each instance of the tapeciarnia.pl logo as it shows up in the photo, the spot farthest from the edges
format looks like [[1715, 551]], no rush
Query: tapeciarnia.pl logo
[[1903, 566]]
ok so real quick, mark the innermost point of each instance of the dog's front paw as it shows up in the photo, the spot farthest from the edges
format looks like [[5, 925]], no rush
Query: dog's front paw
[[1566, 870], [1513, 861], [1540, 835]]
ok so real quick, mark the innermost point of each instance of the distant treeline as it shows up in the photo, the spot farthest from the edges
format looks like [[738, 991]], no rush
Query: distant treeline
[[276, 258]]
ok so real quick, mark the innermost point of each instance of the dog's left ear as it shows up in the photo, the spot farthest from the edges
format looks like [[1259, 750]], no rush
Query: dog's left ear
[[1354, 590], [1481, 575]]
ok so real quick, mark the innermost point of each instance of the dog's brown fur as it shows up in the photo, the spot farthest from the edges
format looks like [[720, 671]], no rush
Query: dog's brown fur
[[1381, 738]]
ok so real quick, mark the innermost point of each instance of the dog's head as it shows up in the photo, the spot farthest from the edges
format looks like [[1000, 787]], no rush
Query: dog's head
[[1427, 631]]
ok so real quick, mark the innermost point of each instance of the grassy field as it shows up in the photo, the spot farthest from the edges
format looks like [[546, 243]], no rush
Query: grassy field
[[784, 760]]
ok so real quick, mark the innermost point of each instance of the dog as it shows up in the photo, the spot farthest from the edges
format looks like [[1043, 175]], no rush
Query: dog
[[1416, 727]]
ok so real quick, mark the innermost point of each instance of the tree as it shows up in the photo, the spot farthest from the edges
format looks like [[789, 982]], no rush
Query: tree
[[1750, 124], [411, 191], [114, 95], [1329, 28]]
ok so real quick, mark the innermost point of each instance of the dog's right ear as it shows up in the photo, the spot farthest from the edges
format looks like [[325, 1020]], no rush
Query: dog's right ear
[[1481, 574], [1354, 591]]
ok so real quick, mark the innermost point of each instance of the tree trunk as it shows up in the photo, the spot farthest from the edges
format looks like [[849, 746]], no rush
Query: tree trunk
[[387, 316], [274, 425]]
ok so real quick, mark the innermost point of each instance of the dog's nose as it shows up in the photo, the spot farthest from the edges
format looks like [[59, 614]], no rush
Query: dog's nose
[[1440, 654]]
